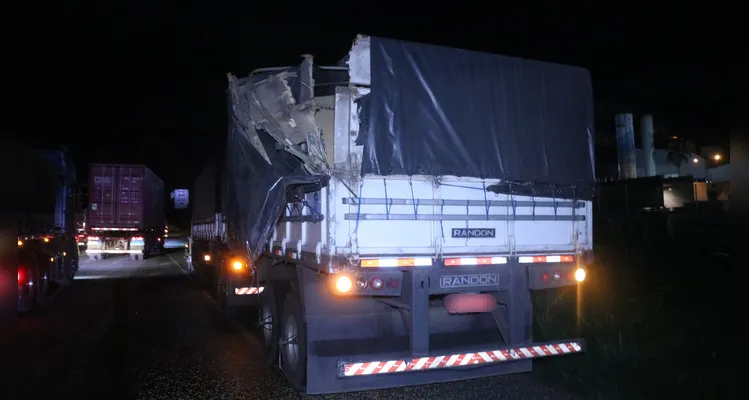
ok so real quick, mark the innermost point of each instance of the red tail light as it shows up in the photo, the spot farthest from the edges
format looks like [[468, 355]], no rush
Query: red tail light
[[21, 275]]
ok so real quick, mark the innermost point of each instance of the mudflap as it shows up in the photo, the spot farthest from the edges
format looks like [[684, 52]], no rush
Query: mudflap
[[244, 292], [363, 343]]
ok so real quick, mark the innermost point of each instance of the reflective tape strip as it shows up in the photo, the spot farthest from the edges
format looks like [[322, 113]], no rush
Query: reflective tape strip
[[248, 290], [545, 259], [92, 251], [395, 262], [459, 360], [452, 262]]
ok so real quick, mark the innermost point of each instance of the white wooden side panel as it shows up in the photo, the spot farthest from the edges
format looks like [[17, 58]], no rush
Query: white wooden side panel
[[393, 237]]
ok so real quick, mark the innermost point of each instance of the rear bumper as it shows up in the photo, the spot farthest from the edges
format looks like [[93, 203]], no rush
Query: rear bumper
[[460, 360], [407, 333], [114, 251], [327, 375]]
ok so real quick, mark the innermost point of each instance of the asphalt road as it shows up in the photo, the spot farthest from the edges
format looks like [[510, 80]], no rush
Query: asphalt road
[[144, 330]]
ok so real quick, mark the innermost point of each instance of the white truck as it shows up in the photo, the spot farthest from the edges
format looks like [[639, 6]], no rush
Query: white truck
[[372, 266]]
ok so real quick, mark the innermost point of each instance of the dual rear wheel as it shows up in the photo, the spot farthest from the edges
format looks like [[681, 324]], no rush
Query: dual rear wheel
[[284, 332]]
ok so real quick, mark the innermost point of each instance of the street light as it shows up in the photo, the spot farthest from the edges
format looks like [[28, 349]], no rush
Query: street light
[[717, 157], [694, 160]]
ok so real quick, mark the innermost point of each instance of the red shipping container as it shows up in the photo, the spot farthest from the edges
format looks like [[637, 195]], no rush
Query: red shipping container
[[125, 196]]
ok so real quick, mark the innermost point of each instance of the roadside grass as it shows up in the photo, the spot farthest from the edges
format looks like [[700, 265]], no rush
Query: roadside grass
[[653, 326]]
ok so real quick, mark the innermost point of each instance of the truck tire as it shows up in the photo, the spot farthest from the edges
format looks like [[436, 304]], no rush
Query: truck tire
[[223, 295], [269, 321], [293, 342]]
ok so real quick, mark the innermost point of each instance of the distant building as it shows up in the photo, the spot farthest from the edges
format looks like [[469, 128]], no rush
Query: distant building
[[695, 165]]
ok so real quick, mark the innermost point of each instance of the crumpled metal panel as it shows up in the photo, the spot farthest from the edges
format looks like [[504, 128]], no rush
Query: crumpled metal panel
[[273, 149], [269, 105]]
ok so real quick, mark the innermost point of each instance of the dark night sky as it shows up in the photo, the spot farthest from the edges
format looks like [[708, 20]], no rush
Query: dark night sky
[[133, 83]]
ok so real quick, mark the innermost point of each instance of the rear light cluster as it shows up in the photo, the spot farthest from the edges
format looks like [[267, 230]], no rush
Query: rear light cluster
[[343, 283], [375, 283], [578, 275]]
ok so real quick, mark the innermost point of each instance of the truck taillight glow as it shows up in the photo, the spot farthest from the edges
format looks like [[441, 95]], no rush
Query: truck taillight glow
[[580, 275], [343, 284], [376, 283]]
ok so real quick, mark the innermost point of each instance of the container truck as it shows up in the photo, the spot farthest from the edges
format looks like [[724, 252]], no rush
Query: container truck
[[390, 217], [125, 212], [47, 251]]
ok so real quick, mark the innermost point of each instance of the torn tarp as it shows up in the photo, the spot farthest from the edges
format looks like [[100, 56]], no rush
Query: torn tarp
[[442, 111], [258, 176]]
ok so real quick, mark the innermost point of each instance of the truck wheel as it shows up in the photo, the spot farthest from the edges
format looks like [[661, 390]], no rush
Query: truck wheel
[[268, 322], [293, 342], [223, 295]]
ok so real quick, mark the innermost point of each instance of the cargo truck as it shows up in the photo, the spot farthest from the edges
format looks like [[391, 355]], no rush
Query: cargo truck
[[125, 212], [47, 251], [391, 216]]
